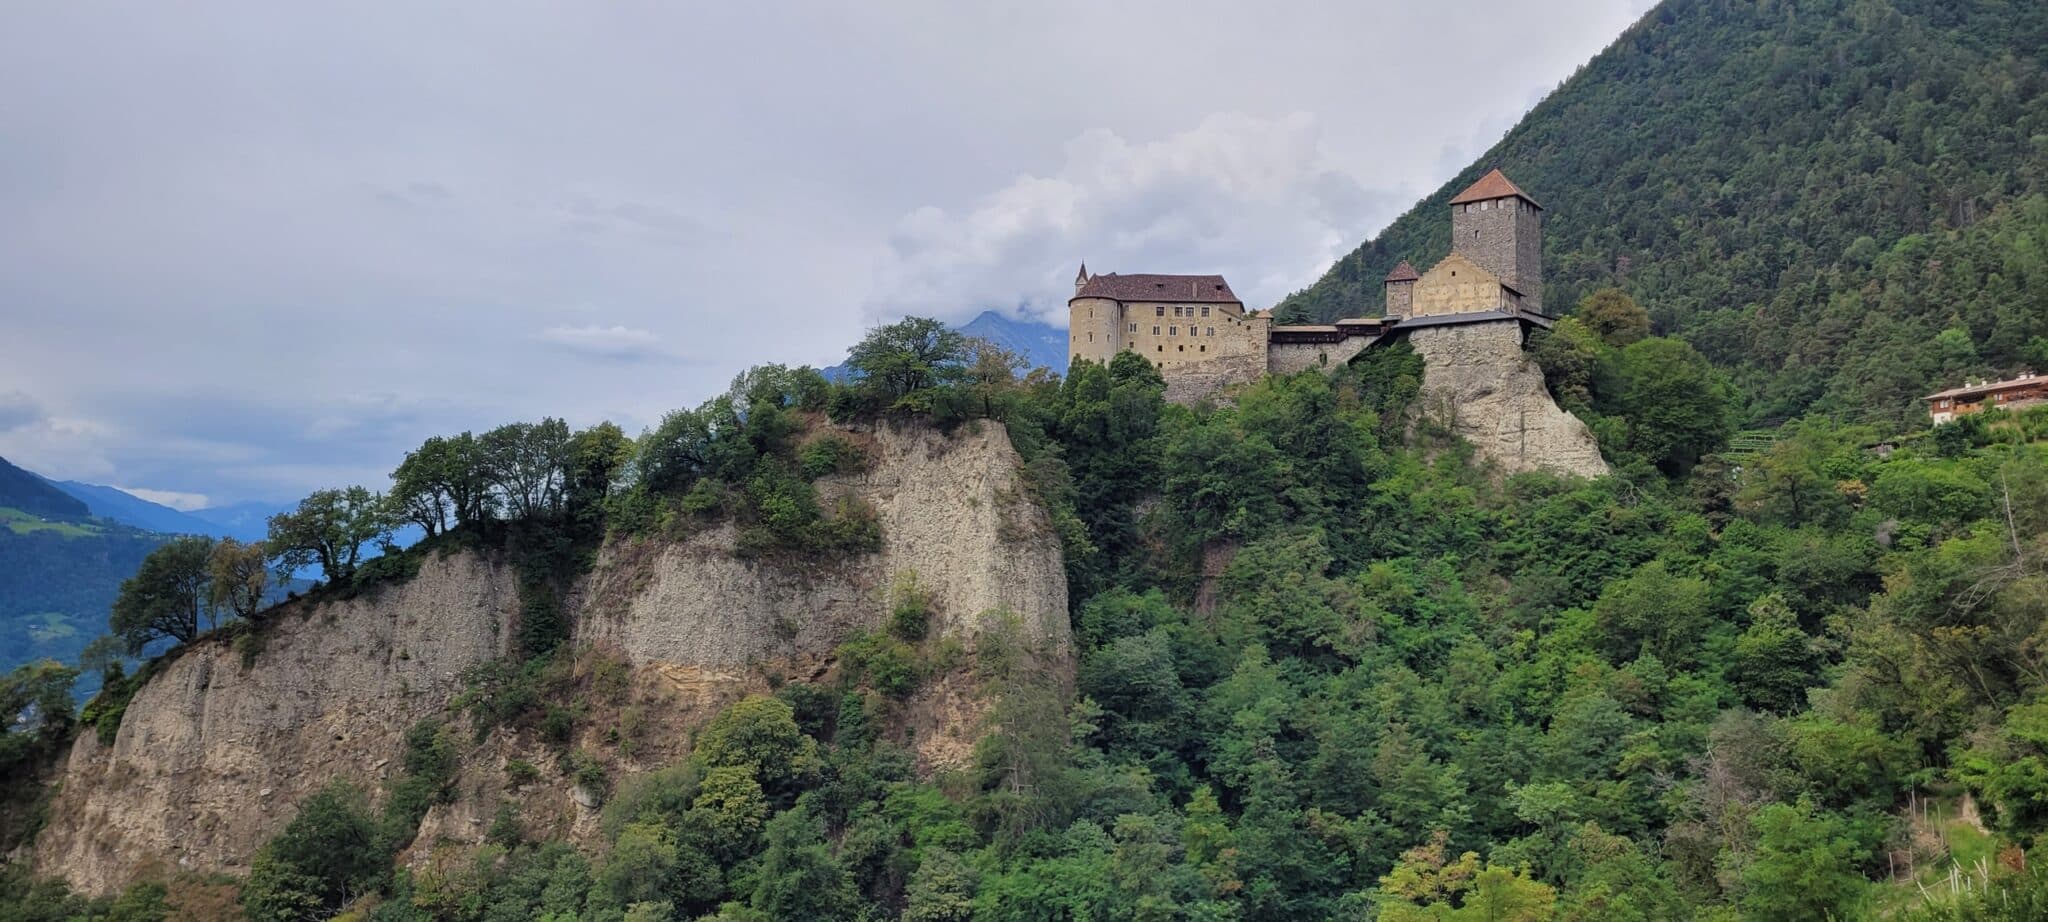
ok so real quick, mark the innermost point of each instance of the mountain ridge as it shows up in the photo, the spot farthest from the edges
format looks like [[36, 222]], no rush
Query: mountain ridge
[[1809, 195]]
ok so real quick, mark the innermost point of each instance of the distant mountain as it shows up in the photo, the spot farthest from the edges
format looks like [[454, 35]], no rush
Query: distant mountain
[[1840, 202], [35, 496], [129, 509], [247, 521], [1041, 345]]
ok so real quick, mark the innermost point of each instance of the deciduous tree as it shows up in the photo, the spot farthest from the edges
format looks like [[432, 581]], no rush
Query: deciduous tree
[[329, 528], [171, 595]]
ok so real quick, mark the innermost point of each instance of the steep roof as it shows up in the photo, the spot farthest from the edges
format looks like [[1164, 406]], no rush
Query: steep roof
[[1141, 287], [1493, 185], [1403, 273]]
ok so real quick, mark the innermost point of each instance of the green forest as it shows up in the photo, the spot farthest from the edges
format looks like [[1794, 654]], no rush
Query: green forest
[[1326, 668], [1843, 203]]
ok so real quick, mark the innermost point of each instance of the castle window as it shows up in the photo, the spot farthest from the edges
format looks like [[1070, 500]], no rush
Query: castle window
[[1205, 311], [1180, 348], [1162, 348], [1155, 330], [1173, 331], [1134, 328], [1201, 348], [1158, 311], [1091, 337], [1212, 331]]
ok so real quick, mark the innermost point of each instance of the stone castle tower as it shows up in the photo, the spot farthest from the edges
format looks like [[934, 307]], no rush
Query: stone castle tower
[[1499, 227], [1467, 316]]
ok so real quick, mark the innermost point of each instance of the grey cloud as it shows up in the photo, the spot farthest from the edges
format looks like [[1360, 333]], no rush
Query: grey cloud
[[18, 410], [620, 343]]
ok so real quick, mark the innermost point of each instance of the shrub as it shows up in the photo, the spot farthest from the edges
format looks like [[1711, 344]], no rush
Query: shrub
[[909, 609], [520, 771], [889, 665], [831, 454]]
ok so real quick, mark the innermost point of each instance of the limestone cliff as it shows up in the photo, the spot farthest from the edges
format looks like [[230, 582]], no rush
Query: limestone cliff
[[1477, 379], [218, 748]]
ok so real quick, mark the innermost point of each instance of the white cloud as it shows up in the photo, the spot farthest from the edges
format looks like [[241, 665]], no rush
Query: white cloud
[[184, 502], [612, 342], [1257, 199]]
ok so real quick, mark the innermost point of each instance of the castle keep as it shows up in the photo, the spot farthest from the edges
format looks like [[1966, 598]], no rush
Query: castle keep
[[1468, 316]]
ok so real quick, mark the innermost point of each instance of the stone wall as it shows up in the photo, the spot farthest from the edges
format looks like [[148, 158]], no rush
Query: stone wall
[[1477, 380], [1505, 237], [1400, 299], [1457, 285], [1191, 384], [1094, 329], [1288, 358]]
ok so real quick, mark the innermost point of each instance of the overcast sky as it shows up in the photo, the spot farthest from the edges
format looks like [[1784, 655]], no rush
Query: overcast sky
[[252, 249]]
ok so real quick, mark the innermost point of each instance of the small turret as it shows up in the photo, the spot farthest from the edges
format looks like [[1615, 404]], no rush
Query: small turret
[[1401, 290], [1081, 278]]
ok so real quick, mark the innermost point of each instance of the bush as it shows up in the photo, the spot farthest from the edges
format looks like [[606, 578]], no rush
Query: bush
[[909, 609], [520, 771], [889, 665], [830, 454]]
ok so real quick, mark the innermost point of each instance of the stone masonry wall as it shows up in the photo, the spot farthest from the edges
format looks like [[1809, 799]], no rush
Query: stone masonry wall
[[1288, 358]]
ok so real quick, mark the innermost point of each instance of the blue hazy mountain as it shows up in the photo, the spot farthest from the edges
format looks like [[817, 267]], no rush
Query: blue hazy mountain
[[22, 490], [1041, 345], [246, 521], [128, 509]]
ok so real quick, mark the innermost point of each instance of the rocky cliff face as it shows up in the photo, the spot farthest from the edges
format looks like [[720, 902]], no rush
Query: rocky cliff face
[[954, 518], [214, 754], [1479, 381]]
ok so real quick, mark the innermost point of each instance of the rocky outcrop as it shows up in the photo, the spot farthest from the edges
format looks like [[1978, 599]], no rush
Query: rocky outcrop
[[214, 753], [1478, 381], [954, 517], [218, 748]]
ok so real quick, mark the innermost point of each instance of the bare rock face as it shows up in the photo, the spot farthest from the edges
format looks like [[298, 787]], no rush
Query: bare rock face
[[954, 517], [1477, 378], [213, 757]]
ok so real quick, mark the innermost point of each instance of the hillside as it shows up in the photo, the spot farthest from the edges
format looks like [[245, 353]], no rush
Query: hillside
[[129, 509], [56, 583], [32, 495], [1810, 194]]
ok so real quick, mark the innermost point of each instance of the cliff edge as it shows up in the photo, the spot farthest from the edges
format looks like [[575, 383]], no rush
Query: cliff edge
[[216, 751]]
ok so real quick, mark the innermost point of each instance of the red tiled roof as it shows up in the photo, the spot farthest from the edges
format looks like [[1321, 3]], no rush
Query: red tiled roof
[[1403, 273], [1139, 287], [1493, 185]]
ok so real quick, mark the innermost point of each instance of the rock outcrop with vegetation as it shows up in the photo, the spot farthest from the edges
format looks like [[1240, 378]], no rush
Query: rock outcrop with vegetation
[[223, 742]]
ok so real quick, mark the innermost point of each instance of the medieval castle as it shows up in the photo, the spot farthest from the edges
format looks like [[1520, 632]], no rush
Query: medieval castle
[[1468, 316]]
